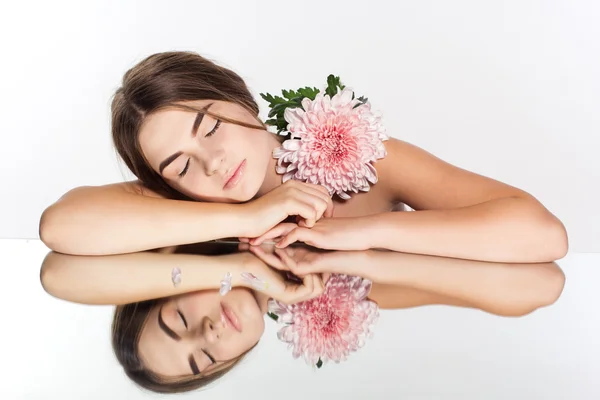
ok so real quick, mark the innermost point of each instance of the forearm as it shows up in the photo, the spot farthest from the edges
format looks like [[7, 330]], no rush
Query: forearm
[[502, 230], [101, 221], [127, 278], [502, 288]]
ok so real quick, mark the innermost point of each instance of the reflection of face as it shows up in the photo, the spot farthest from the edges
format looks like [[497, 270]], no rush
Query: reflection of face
[[196, 332], [198, 163]]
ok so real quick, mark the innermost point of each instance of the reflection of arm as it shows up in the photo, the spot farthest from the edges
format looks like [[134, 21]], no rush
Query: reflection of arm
[[127, 278], [500, 288]]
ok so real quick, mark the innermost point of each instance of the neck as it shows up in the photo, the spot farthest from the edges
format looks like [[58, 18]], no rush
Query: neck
[[272, 178]]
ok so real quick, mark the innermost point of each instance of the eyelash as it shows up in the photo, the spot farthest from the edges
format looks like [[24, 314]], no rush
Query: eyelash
[[182, 319], [187, 164], [212, 360], [214, 130]]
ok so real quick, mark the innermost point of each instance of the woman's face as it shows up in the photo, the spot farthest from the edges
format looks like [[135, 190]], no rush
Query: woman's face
[[200, 331], [197, 154]]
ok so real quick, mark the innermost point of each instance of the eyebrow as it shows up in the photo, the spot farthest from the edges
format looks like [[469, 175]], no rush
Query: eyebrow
[[195, 127], [193, 365], [165, 328], [174, 336]]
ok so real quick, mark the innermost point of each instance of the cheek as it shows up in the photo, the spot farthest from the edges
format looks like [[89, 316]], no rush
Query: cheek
[[199, 303]]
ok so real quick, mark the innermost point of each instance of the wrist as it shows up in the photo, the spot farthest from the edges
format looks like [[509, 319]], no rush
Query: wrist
[[369, 227], [238, 263], [244, 220]]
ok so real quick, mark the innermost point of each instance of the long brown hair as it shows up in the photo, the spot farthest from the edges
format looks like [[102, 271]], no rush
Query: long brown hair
[[159, 81], [166, 80], [128, 322]]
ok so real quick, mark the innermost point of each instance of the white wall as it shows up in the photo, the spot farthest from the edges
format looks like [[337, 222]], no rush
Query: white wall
[[509, 89]]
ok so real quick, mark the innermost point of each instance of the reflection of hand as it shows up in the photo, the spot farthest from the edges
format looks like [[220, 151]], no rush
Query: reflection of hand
[[258, 275], [304, 260]]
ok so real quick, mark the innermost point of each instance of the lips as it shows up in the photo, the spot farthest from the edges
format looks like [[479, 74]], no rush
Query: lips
[[230, 318], [235, 176]]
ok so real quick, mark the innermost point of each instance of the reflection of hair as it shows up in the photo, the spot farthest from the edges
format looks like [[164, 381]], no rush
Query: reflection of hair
[[164, 80], [128, 322]]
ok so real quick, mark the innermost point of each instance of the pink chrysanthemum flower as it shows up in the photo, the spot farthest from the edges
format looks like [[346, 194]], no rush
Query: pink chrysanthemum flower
[[333, 142], [331, 326]]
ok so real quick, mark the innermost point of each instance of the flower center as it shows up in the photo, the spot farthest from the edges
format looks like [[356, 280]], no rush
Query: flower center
[[325, 319], [334, 143]]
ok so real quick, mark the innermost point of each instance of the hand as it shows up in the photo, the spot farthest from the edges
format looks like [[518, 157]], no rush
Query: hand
[[275, 233], [257, 275], [329, 233], [308, 201]]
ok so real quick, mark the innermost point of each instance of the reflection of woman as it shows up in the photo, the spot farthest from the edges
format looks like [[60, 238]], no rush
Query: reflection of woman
[[184, 125], [173, 339]]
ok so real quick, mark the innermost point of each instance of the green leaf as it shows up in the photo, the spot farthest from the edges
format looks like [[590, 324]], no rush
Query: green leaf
[[319, 363], [311, 93], [363, 100], [274, 317], [333, 83]]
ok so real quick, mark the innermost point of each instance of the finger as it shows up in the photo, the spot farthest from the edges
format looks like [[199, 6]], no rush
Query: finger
[[319, 188], [243, 246], [300, 292], [244, 239], [319, 202], [269, 259], [326, 277], [318, 287], [287, 260], [303, 208], [298, 234], [329, 211], [279, 230]]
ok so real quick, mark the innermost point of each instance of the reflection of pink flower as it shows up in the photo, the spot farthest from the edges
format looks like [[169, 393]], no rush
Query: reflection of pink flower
[[332, 144], [330, 326]]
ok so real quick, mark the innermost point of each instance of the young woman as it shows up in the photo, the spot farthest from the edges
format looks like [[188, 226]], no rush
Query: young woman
[[173, 339], [189, 130]]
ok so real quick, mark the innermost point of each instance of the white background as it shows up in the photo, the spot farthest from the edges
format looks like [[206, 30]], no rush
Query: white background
[[508, 89]]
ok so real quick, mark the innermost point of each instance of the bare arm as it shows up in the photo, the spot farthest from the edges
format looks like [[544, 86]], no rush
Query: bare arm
[[124, 218], [460, 213], [128, 278], [402, 280]]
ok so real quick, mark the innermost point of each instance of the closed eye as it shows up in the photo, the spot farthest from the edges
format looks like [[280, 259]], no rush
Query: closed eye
[[185, 169], [211, 358], [182, 319], [212, 132]]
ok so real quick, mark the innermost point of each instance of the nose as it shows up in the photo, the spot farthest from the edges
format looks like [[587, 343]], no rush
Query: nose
[[213, 160], [212, 330]]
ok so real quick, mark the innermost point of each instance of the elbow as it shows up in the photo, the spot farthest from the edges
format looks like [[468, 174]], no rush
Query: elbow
[[557, 245], [550, 285], [545, 291], [48, 274], [48, 227]]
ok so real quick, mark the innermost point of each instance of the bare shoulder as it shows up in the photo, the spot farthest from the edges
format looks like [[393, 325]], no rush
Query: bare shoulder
[[412, 175], [138, 187]]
